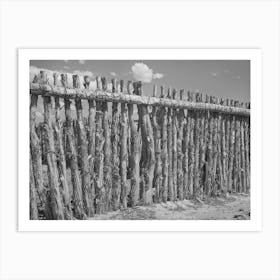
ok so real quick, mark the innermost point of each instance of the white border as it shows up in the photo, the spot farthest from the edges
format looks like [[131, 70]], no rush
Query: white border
[[254, 55]]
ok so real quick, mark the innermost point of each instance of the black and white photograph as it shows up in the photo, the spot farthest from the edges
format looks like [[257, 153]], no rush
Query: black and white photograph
[[139, 139]]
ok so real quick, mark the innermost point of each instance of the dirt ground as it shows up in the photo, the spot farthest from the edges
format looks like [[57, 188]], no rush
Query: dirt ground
[[234, 207]]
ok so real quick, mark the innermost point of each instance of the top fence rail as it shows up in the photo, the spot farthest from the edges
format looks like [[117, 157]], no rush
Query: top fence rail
[[59, 85]]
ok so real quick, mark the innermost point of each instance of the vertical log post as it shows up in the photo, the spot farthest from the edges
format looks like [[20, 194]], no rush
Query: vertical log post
[[106, 150], [164, 153], [70, 143], [156, 121], [237, 171], [91, 141], [35, 150], [186, 152], [247, 150], [56, 201], [180, 174], [61, 160], [100, 191], [196, 187], [191, 151], [83, 153], [170, 150], [228, 133], [33, 208], [174, 152], [223, 152], [116, 185], [209, 151], [123, 152], [135, 153], [242, 153], [148, 152]]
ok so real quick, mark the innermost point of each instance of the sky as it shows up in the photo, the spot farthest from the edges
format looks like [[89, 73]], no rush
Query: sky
[[220, 78]]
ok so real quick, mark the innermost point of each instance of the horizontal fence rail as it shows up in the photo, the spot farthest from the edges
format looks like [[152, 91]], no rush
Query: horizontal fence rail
[[101, 148], [123, 97]]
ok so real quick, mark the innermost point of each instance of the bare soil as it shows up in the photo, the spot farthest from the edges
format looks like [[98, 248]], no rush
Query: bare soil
[[234, 207]]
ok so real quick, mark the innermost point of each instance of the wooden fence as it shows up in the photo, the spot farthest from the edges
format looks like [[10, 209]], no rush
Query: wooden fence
[[129, 149]]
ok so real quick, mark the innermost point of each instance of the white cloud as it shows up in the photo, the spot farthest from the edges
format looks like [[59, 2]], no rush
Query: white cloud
[[113, 74], [141, 72], [214, 74], [157, 76], [82, 61]]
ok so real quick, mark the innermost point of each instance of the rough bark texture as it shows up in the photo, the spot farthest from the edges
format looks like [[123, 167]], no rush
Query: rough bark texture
[[138, 100], [170, 151], [196, 150], [116, 189], [107, 150], [135, 155], [91, 142], [100, 191], [164, 153], [186, 141], [157, 181], [231, 152], [61, 162], [83, 155], [124, 154], [148, 152], [180, 173], [33, 207], [191, 119], [35, 150], [56, 202], [75, 176], [174, 148]]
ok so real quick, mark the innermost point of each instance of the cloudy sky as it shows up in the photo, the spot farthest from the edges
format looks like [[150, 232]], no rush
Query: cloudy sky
[[224, 78]]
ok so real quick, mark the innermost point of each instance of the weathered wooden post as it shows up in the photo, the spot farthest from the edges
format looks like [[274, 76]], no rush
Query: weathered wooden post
[[196, 132], [156, 120], [180, 175], [56, 202], [35, 148], [242, 154], [33, 210], [231, 151], [100, 191], [222, 151], [115, 130], [174, 149], [191, 152], [91, 140], [106, 149], [227, 138], [164, 152], [170, 150], [83, 153], [247, 150], [237, 169], [123, 152], [135, 153], [148, 151], [61, 162], [75, 176]]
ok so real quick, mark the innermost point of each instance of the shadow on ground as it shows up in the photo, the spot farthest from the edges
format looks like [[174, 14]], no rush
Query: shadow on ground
[[234, 207]]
